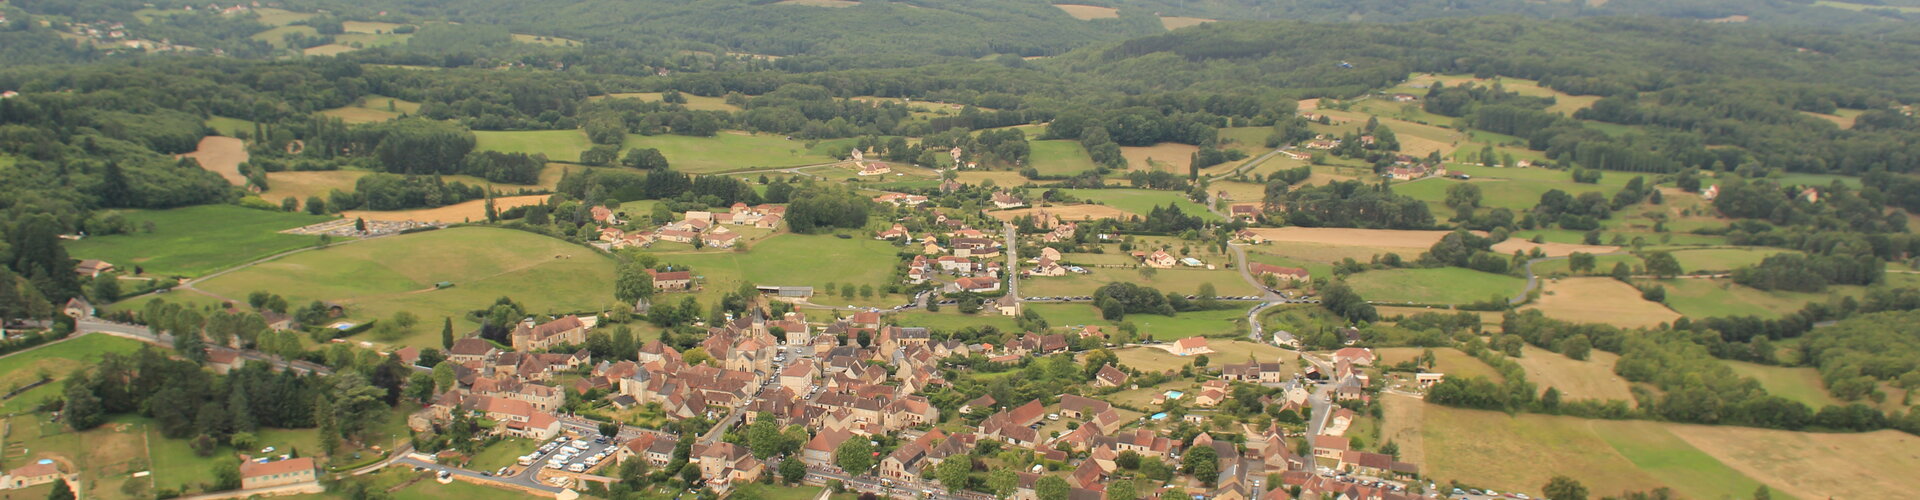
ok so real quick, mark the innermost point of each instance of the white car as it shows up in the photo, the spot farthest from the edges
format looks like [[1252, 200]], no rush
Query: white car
[[554, 465], [579, 444], [576, 468]]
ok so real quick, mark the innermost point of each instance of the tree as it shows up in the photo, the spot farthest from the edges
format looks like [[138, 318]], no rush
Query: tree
[[632, 283], [1763, 493], [226, 474], [854, 456], [446, 333], [764, 438], [83, 409], [64, 491], [953, 471], [1124, 490], [1580, 262], [645, 159], [1052, 488], [356, 404], [105, 289], [1662, 264], [1002, 482], [316, 205], [1202, 463], [443, 376], [1564, 488], [792, 470]]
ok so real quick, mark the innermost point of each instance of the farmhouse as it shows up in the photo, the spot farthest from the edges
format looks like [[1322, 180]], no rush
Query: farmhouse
[[1047, 267], [1159, 259], [1245, 212], [255, 474], [895, 232], [77, 308], [38, 473], [567, 330], [92, 268], [718, 239], [1279, 272], [1005, 200], [911, 200], [875, 168], [981, 284], [1357, 355], [1191, 346], [1108, 376], [604, 216], [1250, 236], [671, 281]]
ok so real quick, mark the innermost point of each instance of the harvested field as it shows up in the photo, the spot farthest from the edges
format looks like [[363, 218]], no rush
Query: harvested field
[[1066, 212], [1521, 452], [1084, 12], [1590, 379], [1489, 320], [1814, 465], [1446, 360], [331, 49], [222, 155], [351, 114], [1396, 238], [1324, 253], [455, 213], [1600, 300], [1000, 178], [1400, 423], [1550, 248], [1166, 156], [1177, 22]]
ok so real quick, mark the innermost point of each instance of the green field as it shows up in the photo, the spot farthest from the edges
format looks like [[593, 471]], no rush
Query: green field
[[1189, 324], [795, 260], [731, 150], [277, 36], [1142, 201], [230, 127], [431, 490], [502, 453], [1181, 280], [56, 361], [1516, 195], [1602, 265], [1722, 259], [1658, 452], [1444, 285], [950, 320], [558, 145], [196, 240], [1060, 157], [1704, 298], [1252, 140], [1799, 384], [377, 278], [1864, 6]]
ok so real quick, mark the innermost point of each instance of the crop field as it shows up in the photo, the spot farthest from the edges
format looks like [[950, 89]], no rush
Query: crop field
[[1590, 379], [379, 277], [1166, 156], [1801, 384], [1658, 450], [1446, 285], [1479, 448], [558, 145], [192, 241], [1600, 300], [1563, 102], [694, 102], [1449, 361], [1060, 157], [1319, 257], [221, 155], [1066, 212], [730, 150], [1143, 201], [1088, 12], [1517, 195], [466, 211], [1181, 280], [1549, 248], [795, 260], [1000, 178], [1813, 465]]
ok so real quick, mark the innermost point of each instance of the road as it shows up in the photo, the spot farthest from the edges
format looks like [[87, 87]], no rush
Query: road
[[1013, 262], [91, 324], [525, 479]]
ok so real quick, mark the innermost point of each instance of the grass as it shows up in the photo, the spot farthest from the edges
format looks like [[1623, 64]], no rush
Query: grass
[[796, 260], [56, 361], [377, 278], [373, 108], [1189, 324], [1722, 259], [1658, 452], [1798, 384], [1060, 157], [1811, 464], [1449, 361], [1180, 280], [1068, 314], [1517, 195], [1863, 6], [1590, 379], [1704, 298], [949, 320], [432, 490], [1142, 201], [196, 240], [694, 102], [789, 492], [1480, 448], [502, 453], [730, 150], [1252, 140], [230, 127], [277, 36], [558, 145], [1445, 285]]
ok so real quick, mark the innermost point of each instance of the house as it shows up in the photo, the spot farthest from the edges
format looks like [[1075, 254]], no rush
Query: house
[[1426, 380], [1337, 424], [92, 268], [1246, 212], [819, 451], [769, 221], [676, 235], [1047, 267], [984, 402], [1278, 272], [1357, 355], [37, 473], [1077, 406], [875, 168], [255, 474], [720, 240], [671, 281], [1250, 236], [603, 215], [1710, 192], [950, 185], [980, 284], [1159, 259], [77, 308], [569, 330], [1005, 200], [471, 349], [1108, 376], [1191, 346], [895, 232], [1252, 372], [1329, 447], [1810, 194], [1007, 305], [897, 199]]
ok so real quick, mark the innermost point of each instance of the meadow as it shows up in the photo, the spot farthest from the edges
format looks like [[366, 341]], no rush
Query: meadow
[[795, 260], [1218, 322], [730, 150], [1516, 195], [1796, 383], [55, 361], [1600, 300], [380, 277], [196, 240], [949, 320], [1183, 280], [1059, 157], [1449, 361], [1722, 259], [1590, 379], [558, 145], [1702, 298], [373, 108], [694, 102], [1142, 201], [1445, 285]]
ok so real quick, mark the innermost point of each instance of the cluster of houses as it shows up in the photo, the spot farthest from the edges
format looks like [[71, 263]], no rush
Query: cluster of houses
[[709, 229], [513, 388], [969, 256]]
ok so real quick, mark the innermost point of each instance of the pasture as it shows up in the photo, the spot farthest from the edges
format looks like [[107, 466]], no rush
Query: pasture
[[999, 178], [1152, 359], [1658, 451], [1393, 238], [1088, 12], [694, 102], [1060, 157], [1445, 285], [558, 145], [1600, 300], [949, 320], [466, 211], [1713, 260], [1183, 280], [1065, 212], [55, 361], [379, 277], [1801, 384], [731, 150], [373, 108], [221, 155], [1189, 324], [1143, 201], [1564, 103], [1251, 140], [1550, 248], [1177, 22], [1449, 361], [788, 259], [1166, 156], [277, 37], [1813, 465], [1590, 379], [1319, 257], [196, 240], [230, 127], [1481, 448], [1703, 298], [1516, 195]]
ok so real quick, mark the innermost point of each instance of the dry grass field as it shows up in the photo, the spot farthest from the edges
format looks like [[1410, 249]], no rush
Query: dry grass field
[[1149, 359], [1489, 320], [1240, 191], [1814, 465], [331, 49], [1000, 178], [1330, 253], [1086, 12], [458, 212], [1395, 238], [1600, 300], [1521, 452], [1400, 421], [1550, 248], [1166, 156], [222, 155], [1449, 361], [1066, 212], [694, 102], [1590, 379], [1177, 22], [369, 26]]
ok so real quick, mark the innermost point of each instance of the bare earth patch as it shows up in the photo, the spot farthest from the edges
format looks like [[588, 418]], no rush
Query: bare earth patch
[[1069, 212], [1550, 248], [1814, 465], [1167, 156], [458, 212], [221, 155], [1396, 238], [1087, 12], [1600, 300]]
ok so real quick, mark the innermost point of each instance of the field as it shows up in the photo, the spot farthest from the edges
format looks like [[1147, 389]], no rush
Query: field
[[1520, 453], [1449, 361], [950, 320], [1087, 12], [1563, 103], [558, 145], [1590, 379], [1182, 280], [694, 102], [1798, 384], [1189, 324], [1000, 178], [1152, 359], [197, 240], [1396, 238], [277, 36], [552, 41], [1318, 258], [1066, 212], [795, 260], [1865, 6], [229, 127], [277, 17], [1600, 300], [1060, 157], [1659, 451], [431, 490], [1703, 298], [221, 155], [56, 361], [466, 211], [1166, 156], [502, 453], [1722, 259], [1142, 201], [1814, 465], [1176, 22], [1550, 248], [379, 277], [373, 108], [1516, 195], [819, 3], [1445, 285], [730, 150]]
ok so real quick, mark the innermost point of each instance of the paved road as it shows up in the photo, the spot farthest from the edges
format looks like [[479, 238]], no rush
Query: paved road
[[525, 479]]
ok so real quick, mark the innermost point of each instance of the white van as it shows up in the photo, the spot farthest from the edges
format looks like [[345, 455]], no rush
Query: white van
[[576, 468], [525, 460]]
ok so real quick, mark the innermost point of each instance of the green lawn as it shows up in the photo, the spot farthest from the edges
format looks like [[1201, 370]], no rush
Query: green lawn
[[1691, 472], [1060, 157], [1068, 314], [558, 145], [1444, 285], [1189, 324], [950, 320], [502, 453], [1517, 195], [1603, 264], [1180, 280], [1142, 201], [56, 361], [197, 240], [731, 150], [796, 260], [375, 279]]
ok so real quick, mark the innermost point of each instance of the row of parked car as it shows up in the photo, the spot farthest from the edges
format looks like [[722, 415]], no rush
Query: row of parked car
[[570, 455]]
